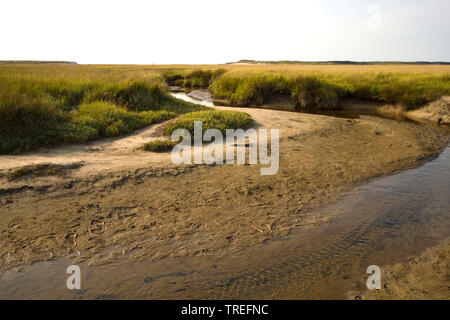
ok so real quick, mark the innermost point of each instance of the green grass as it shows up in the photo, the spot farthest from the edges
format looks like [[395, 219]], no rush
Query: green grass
[[192, 79], [45, 106], [211, 119], [326, 90], [249, 88], [103, 119], [174, 78], [159, 145], [48, 104], [202, 78]]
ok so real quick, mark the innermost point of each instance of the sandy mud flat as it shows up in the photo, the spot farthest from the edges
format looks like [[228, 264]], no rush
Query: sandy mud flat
[[423, 277], [122, 201]]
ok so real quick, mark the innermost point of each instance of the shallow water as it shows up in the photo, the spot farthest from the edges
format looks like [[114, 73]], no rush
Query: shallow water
[[204, 97], [381, 222], [199, 96]]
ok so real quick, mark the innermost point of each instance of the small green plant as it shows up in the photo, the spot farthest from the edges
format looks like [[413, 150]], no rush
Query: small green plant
[[211, 119], [104, 119], [36, 170], [159, 146]]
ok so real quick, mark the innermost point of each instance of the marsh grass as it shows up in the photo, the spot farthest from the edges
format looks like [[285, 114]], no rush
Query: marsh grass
[[202, 78], [37, 170], [211, 119], [159, 145], [45, 106], [174, 78], [326, 90], [192, 79], [103, 119]]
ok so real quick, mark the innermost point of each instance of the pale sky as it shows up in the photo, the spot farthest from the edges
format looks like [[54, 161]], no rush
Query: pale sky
[[209, 31]]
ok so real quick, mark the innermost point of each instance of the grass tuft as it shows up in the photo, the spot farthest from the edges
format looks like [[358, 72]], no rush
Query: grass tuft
[[37, 170], [159, 145], [211, 119]]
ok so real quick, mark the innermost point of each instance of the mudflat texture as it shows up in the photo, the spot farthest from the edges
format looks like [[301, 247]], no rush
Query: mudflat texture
[[424, 277], [122, 200]]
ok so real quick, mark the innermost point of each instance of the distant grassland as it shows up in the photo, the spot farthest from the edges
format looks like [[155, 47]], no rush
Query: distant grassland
[[337, 62], [43, 105]]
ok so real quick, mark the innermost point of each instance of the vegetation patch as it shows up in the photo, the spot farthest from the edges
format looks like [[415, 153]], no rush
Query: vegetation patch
[[322, 90], [159, 145], [197, 78], [211, 119], [174, 78], [48, 104], [249, 88], [104, 119], [40, 170], [202, 78], [312, 93], [43, 106]]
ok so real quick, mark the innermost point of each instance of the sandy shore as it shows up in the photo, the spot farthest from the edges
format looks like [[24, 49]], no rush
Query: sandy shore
[[436, 113], [424, 277], [123, 200]]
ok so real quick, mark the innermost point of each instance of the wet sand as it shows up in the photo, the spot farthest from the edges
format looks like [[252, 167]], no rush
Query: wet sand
[[424, 277], [127, 203]]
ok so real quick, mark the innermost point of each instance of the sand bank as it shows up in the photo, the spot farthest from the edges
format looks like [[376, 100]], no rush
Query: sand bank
[[123, 199], [423, 277]]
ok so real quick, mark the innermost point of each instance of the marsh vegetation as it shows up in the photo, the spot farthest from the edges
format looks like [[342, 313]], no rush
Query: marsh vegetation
[[320, 86], [326, 90], [159, 145], [45, 105], [211, 119]]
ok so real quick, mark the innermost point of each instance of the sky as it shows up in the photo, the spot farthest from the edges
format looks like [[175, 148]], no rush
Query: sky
[[210, 31]]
